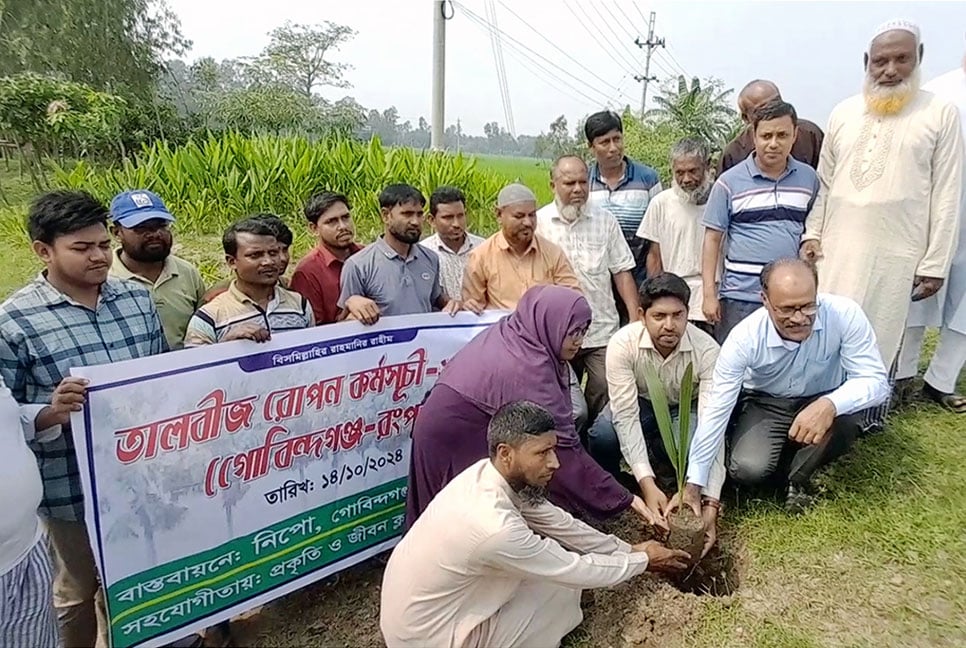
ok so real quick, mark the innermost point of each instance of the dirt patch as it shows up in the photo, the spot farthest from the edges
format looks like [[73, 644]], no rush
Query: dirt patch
[[647, 611]]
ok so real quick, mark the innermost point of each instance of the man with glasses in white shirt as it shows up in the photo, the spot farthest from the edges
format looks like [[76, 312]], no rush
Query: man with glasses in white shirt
[[804, 366]]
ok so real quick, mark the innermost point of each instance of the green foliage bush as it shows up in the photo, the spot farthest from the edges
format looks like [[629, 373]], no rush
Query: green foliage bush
[[209, 184]]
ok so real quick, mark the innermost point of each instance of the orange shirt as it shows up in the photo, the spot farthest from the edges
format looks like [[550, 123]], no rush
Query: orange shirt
[[497, 277]]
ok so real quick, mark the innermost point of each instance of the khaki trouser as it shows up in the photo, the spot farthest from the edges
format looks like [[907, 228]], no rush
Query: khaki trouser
[[78, 597]]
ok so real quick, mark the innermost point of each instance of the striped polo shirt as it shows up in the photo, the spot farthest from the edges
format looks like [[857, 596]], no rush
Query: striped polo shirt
[[288, 311], [762, 220], [629, 199]]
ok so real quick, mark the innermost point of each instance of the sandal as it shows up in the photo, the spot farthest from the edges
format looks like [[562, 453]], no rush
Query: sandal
[[953, 402]]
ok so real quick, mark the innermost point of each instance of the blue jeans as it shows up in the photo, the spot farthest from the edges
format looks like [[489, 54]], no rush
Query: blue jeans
[[605, 447]]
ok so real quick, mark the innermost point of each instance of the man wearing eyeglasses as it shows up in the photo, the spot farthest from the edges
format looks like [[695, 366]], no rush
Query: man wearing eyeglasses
[[800, 370], [142, 225]]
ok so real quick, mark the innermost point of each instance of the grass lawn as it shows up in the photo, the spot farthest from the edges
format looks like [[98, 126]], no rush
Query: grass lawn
[[881, 561]]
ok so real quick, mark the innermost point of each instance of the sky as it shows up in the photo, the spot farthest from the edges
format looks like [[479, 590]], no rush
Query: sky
[[574, 57]]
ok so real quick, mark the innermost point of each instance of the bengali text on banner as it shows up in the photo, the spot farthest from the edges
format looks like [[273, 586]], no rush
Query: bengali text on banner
[[217, 479]]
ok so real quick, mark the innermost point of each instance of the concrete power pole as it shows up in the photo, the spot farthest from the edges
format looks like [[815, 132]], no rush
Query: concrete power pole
[[439, 74], [650, 44]]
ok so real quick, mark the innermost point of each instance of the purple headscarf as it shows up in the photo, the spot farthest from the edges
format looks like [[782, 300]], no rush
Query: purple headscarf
[[519, 356]]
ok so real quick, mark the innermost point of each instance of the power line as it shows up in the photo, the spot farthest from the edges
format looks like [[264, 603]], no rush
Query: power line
[[500, 66], [670, 52], [521, 54], [511, 41], [587, 23], [557, 47], [617, 37]]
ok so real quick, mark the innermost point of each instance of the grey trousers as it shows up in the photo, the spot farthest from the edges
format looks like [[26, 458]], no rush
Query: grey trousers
[[732, 312], [762, 453], [591, 362]]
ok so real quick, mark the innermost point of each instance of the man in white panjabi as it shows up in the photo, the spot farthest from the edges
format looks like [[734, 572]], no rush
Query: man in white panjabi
[[885, 223], [947, 310], [491, 563]]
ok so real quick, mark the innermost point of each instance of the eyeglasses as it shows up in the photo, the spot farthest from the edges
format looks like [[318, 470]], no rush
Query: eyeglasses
[[808, 310]]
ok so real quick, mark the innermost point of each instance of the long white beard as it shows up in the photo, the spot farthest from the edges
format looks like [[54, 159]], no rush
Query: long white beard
[[890, 100], [696, 196], [571, 213]]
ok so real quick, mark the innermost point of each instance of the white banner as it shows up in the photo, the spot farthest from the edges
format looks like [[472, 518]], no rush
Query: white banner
[[220, 478]]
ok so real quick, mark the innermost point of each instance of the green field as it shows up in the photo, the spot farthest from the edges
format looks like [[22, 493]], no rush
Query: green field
[[533, 172], [881, 561]]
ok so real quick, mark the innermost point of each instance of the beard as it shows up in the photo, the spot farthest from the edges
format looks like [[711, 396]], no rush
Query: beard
[[890, 100], [533, 495], [698, 195], [571, 213], [156, 255], [406, 236]]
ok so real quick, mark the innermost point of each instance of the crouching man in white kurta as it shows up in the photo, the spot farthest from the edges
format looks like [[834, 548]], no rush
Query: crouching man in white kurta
[[885, 222], [947, 311], [491, 563]]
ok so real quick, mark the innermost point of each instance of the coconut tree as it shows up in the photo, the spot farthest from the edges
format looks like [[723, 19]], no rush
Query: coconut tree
[[698, 110]]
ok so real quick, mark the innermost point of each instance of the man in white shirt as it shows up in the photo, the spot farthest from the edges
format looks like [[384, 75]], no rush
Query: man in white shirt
[[805, 364], [451, 241], [661, 338], [592, 240], [674, 222], [492, 563], [27, 615]]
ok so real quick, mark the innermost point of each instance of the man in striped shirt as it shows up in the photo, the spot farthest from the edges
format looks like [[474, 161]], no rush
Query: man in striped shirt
[[255, 305], [757, 210], [618, 184]]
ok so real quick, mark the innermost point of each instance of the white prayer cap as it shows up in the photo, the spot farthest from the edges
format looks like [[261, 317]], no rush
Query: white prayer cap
[[514, 193], [896, 24]]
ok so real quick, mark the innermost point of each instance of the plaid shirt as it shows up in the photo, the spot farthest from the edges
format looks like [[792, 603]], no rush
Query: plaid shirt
[[43, 333]]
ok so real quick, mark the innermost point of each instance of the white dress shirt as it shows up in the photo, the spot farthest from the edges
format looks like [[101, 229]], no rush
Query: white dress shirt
[[839, 359]]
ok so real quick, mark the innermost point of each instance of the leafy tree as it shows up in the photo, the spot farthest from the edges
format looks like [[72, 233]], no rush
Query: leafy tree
[[296, 57], [557, 142], [651, 142], [700, 111], [111, 45]]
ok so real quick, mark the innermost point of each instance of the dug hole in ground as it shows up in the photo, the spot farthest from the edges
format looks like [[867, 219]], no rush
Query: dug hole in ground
[[650, 610]]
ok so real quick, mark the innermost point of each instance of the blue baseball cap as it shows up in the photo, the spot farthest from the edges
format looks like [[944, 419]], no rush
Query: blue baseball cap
[[131, 208]]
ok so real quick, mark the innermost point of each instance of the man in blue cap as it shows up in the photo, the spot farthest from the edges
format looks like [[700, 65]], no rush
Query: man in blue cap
[[142, 225]]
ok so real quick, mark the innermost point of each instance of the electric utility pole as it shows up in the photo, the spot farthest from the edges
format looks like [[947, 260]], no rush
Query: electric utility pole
[[439, 74], [650, 44]]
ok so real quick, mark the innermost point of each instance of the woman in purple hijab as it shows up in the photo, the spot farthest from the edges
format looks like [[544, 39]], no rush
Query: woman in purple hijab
[[523, 356]]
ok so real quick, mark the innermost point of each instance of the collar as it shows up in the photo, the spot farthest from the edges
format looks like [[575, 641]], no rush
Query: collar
[[752, 167], [326, 256], [120, 270], [492, 477], [645, 342], [773, 340], [502, 243], [108, 292], [627, 177], [245, 299], [390, 253], [437, 244]]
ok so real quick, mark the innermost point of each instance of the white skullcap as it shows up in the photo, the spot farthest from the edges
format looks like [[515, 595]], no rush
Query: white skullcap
[[514, 193], [897, 24]]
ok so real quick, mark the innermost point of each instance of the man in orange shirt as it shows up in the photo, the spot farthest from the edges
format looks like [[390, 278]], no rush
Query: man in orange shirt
[[515, 258]]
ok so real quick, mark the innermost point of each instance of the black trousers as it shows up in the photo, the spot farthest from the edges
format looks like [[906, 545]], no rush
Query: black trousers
[[762, 453]]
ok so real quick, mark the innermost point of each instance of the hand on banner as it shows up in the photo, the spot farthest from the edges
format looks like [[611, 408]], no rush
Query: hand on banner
[[452, 307], [69, 396], [363, 309], [473, 306], [925, 287], [253, 332]]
